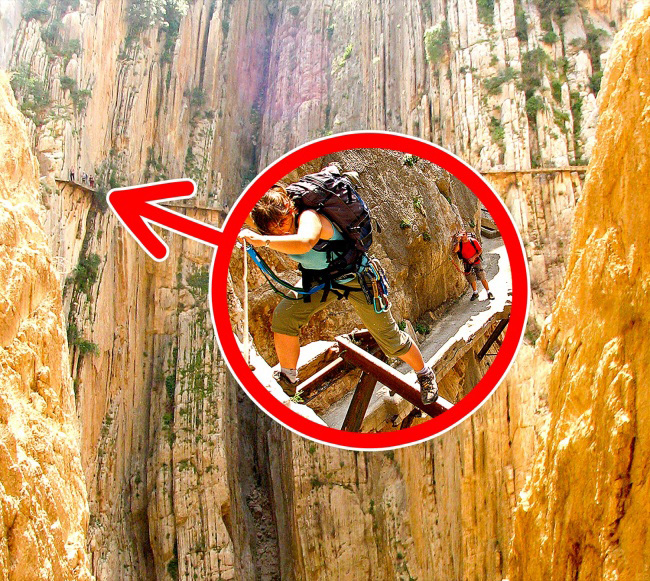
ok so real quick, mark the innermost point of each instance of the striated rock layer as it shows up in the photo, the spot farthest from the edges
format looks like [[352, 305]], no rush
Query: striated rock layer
[[42, 489], [584, 513]]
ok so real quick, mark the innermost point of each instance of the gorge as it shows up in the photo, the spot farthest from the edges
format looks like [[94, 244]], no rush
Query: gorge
[[127, 449]]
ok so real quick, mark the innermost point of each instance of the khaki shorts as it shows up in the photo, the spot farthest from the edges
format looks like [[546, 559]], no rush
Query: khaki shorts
[[290, 316], [473, 272]]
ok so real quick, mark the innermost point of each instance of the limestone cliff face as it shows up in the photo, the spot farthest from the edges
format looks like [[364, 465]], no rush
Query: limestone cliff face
[[135, 101], [215, 90], [503, 86], [595, 457], [43, 494], [542, 206], [184, 473], [154, 441]]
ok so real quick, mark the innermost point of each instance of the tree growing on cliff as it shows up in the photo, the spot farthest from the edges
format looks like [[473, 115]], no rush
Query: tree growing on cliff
[[144, 14]]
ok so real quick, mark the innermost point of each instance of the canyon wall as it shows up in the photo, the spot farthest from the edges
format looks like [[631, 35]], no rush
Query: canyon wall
[[184, 474], [42, 493], [596, 455]]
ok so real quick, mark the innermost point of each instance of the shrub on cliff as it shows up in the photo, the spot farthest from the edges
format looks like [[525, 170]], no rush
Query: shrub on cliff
[[31, 92], [36, 10], [85, 273], [493, 84], [436, 41]]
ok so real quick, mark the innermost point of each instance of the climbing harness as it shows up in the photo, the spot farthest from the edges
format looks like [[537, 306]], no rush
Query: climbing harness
[[372, 278], [271, 277]]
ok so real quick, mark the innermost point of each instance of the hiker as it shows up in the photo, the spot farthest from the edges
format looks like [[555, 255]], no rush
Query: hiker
[[468, 249], [314, 241], [71, 174]]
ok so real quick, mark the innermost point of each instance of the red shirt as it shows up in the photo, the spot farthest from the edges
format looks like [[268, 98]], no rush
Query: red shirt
[[468, 251]]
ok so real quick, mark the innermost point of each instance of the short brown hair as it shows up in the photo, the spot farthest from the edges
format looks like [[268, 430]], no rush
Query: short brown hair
[[272, 207]]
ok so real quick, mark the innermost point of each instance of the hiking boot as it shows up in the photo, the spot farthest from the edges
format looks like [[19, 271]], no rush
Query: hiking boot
[[474, 296], [490, 296], [428, 387], [288, 386]]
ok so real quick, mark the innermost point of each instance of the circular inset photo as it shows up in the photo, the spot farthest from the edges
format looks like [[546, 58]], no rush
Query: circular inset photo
[[376, 292]]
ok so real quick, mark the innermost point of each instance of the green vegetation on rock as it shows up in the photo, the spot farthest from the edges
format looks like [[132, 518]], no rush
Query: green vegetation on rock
[[436, 41], [497, 133], [31, 92], [493, 84], [486, 11]]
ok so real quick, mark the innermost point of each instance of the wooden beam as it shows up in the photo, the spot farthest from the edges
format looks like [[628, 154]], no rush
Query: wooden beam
[[389, 377], [319, 360], [359, 404], [322, 379], [492, 338]]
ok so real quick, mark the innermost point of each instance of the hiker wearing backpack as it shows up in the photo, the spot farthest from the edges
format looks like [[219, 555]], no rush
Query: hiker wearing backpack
[[468, 249], [330, 250]]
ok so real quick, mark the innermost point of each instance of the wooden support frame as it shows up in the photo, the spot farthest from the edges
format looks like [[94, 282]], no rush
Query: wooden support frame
[[380, 371], [359, 404], [335, 368], [321, 380], [492, 338]]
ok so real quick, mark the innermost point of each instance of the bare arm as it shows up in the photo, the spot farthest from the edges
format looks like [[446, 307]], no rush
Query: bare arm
[[309, 231]]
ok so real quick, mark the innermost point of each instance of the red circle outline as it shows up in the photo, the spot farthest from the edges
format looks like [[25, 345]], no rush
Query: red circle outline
[[383, 440]]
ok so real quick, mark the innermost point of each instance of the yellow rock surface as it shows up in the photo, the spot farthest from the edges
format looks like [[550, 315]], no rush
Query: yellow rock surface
[[42, 491], [584, 514]]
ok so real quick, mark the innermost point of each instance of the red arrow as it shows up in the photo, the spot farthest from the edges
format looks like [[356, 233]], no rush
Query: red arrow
[[135, 209]]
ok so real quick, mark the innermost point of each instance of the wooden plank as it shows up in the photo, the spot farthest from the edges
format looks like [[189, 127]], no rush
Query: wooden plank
[[389, 377], [359, 404], [332, 367], [322, 379], [319, 360]]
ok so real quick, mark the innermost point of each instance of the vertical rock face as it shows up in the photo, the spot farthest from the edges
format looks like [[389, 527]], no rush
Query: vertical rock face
[[185, 476], [216, 90], [154, 437], [596, 455], [43, 494], [542, 206]]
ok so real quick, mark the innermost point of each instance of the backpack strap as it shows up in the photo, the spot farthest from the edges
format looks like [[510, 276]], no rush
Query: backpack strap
[[480, 254]]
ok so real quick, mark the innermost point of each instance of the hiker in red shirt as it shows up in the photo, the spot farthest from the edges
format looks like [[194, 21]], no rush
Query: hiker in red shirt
[[468, 249]]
